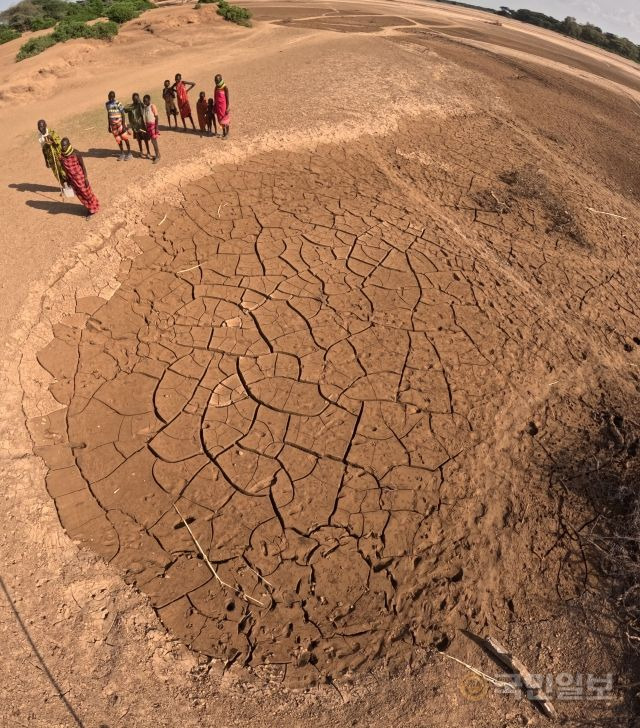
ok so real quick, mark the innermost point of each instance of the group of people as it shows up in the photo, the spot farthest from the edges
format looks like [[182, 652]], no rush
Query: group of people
[[140, 117], [209, 111]]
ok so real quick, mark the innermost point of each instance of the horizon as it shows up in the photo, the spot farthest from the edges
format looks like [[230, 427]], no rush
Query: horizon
[[624, 21]]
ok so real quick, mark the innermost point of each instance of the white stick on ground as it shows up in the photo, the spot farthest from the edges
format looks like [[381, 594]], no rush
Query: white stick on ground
[[532, 685], [241, 594], [610, 214], [193, 267], [483, 675]]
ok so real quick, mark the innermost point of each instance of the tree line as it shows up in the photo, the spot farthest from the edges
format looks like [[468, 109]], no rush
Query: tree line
[[586, 32], [582, 31]]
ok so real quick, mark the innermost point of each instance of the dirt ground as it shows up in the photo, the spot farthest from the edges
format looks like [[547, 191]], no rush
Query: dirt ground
[[376, 356]]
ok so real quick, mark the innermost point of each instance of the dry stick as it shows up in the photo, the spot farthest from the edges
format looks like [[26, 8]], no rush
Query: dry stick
[[161, 221], [220, 206], [246, 597], [193, 267], [259, 576], [610, 214], [483, 675], [532, 685]]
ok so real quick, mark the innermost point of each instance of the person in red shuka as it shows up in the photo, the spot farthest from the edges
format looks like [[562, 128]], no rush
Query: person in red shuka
[[76, 172]]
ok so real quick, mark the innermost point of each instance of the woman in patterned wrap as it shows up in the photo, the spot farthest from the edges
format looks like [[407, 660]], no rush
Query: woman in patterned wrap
[[76, 172]]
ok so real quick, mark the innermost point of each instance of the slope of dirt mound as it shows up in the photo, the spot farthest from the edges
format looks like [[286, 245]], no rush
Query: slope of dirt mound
[[349, 371]]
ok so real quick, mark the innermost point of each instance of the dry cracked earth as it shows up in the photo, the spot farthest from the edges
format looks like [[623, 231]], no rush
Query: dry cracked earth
[[366, 382]]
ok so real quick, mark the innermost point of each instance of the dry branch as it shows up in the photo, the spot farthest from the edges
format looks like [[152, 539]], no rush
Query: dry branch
[[239, 592], [532, 685], [483, 675], [610, 214], [193, 267]]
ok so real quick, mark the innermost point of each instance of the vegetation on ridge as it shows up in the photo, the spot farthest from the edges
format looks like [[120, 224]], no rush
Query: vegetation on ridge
[[68, 19]]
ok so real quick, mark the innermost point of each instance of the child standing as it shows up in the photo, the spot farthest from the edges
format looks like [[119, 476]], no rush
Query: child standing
[[150, 114], [211, 118], [135, 112], [169, 96], [117, 125], [201, 108]]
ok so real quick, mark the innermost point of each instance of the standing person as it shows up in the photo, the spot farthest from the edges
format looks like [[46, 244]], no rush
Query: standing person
[[169, 96], [51, 151], [211, 118], [151, 121], [182, 89], [222, 104], [76, 172], [201, 108], [117, 125], [135, 113]]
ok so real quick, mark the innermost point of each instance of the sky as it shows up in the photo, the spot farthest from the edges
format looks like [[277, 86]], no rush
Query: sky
[[621, 17]]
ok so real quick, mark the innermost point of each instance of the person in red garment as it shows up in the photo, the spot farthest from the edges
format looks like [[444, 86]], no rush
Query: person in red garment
[[76, 172], [222, 105], [182, 89]]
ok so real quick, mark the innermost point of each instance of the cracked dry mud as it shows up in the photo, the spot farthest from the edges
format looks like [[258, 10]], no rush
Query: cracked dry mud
[[329, 362]]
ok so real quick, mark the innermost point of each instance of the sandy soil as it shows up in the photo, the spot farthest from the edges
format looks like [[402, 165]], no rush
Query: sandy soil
[[369, 347]]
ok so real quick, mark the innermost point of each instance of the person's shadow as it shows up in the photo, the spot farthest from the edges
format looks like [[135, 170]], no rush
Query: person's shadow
[[48, 204], [100, 153], [178, 129], [31, 187], [57, 208]]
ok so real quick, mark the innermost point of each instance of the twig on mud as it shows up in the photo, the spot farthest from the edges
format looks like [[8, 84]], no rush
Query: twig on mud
[[259, 575], [220, 206], [502, 205], [161, 221], [610, 214], [240, 593], [483, 675], [193, 267], [530, 683]]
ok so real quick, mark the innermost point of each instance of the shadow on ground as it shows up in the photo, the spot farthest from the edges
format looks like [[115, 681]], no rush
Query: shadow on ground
[[57, 208]]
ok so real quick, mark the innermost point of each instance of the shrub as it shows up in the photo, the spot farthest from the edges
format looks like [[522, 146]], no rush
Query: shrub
[[64, 31], [105, 30], [69, 29], [41, 23], [34, 46], [7, 34], [122, 11], [234, 13]]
